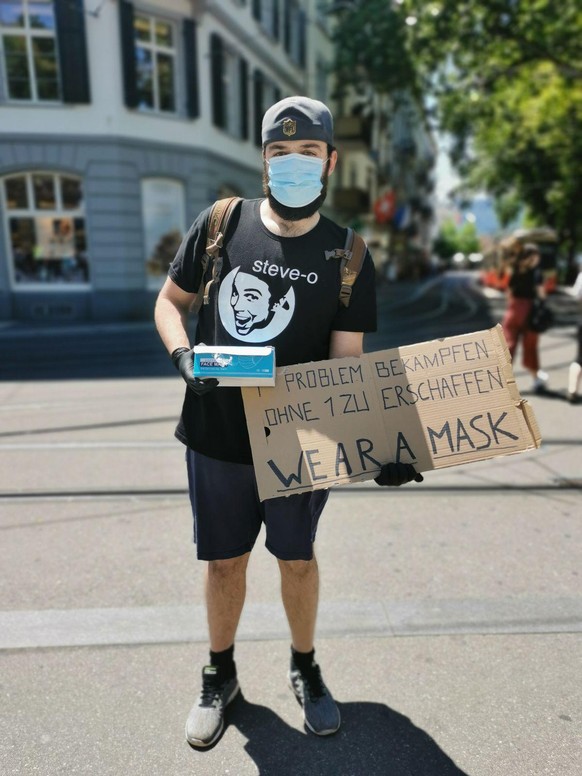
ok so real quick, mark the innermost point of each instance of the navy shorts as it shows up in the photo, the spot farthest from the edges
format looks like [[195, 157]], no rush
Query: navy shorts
[[228, 514]]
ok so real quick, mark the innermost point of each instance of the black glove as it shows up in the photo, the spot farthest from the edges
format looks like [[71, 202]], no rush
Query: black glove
[[398, 474], [183, 359]]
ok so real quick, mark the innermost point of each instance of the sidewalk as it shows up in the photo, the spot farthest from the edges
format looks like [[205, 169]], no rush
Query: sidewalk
[[451, 613]]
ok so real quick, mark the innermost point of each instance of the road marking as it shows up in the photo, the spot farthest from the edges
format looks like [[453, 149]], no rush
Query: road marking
[[266, 621], [86, 445], [135, 494]]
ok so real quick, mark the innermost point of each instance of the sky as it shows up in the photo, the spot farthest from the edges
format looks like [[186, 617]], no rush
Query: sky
[[445, 176]]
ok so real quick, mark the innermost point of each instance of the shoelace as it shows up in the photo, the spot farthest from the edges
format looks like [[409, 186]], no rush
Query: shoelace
[[211, 691], [314, 682]]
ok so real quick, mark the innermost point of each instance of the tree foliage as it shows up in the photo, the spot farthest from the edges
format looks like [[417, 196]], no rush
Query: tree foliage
[[363, 57], [453, 239], [506, 79]]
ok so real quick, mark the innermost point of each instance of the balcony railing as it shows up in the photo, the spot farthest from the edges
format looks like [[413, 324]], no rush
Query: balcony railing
[[354, 129], [351, 200]]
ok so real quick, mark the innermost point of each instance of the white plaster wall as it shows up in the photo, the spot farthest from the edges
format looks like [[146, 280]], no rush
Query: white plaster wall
[[107, 114]]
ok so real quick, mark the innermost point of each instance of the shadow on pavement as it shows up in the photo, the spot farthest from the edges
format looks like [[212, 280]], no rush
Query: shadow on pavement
[[374, 740], [546, 393], [83, 352]]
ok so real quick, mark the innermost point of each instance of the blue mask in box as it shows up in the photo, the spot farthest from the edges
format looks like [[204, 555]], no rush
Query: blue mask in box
[[295, 179]]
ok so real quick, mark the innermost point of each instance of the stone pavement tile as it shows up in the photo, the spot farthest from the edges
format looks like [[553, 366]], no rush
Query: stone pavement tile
[[423, 545], [443, 706], [372, 545], [88, 553], [265, 622]]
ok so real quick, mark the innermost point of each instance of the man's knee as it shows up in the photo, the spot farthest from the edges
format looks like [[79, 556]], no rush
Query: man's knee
[[298, 569], [227, 568]]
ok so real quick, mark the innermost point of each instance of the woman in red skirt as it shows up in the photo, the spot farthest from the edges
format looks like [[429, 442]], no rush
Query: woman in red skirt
[[525, 284]]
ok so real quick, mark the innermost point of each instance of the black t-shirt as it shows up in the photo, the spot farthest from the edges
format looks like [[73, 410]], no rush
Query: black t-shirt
[[279, 291], [524, 285]]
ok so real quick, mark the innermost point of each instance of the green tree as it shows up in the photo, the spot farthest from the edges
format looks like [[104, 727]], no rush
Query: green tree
[[453, 239], [508, 81], [445, 243], [468, 239], [505, 77], [371, 47]]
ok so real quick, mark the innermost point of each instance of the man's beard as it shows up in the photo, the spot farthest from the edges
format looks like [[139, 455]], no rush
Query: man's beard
[[295, 213]]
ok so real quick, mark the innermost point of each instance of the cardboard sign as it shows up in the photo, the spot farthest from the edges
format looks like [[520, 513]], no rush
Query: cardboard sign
[[440, 403]]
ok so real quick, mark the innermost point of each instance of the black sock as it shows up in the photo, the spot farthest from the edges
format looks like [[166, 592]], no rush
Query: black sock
[[224, 662], [302, 660]]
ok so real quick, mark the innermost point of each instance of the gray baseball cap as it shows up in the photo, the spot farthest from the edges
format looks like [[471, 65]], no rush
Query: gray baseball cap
[[297, 118]]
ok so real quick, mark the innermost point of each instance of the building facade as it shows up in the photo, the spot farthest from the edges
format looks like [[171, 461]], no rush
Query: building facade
[[119, 122]]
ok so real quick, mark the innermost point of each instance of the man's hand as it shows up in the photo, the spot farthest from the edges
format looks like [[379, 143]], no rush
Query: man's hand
[[398, 474], [183, 359]]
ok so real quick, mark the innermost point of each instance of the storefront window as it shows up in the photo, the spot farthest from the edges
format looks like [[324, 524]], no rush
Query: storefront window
[[46, 229], [164, 226]]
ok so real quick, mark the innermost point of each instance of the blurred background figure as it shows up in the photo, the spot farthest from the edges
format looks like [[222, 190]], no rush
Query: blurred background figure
[[575, 372], [525, 285]]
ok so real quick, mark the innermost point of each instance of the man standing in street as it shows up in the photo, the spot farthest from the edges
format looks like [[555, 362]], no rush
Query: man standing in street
[[281, 235]]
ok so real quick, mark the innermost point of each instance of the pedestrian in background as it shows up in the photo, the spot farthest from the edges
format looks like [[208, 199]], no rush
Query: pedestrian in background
[[575, 371], [281, 236], [524, 287]]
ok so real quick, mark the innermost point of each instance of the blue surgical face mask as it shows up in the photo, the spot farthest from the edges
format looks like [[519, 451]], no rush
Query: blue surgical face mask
[[295, 179]]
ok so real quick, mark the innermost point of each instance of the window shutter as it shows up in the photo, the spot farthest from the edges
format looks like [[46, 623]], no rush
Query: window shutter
[[302, 39], [128, 53], [72, 47], [287, 25], [257, 10], [216, 65], [244, 99], [258, 106], [189, 32], [276, 20]]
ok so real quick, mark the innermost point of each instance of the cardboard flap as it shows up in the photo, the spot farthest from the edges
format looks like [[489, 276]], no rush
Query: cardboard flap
[[440, 403]]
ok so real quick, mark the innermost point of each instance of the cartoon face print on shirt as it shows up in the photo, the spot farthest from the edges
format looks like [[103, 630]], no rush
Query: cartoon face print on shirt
[[253, 308]]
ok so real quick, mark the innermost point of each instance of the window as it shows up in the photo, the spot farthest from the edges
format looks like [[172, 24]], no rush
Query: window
[[322, 71], [322, 11], [230, 81], [160, 62], [155, 63], [46, 229], [164, 225], [229, 88], [267, 13], [43, 54], [29, 50], [294, 31]]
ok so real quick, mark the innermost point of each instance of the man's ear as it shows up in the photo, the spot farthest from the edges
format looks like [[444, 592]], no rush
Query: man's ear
[[332, 162]]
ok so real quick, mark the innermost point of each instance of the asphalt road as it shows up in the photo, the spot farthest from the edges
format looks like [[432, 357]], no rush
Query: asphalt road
[[450, 617], [442, 306]]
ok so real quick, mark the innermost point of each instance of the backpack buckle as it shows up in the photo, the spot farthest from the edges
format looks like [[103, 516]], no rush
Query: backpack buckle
[[338, 253]]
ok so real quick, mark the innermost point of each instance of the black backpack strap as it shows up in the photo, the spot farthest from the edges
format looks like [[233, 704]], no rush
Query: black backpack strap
[[351, 257], [218, 221]]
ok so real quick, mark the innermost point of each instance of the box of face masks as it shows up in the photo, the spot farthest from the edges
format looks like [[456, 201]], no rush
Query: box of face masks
[[235, 365]]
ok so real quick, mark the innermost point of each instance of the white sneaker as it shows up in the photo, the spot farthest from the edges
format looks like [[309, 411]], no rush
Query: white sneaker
[[205, 722], [541, 381]]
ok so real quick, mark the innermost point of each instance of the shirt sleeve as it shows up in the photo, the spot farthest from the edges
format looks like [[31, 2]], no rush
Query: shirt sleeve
[[186, 269], [360, 315]]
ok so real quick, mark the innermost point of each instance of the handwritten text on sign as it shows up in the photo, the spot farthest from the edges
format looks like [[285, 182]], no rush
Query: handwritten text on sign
[[436, 404]]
